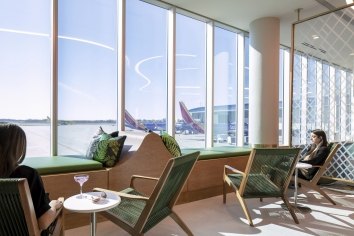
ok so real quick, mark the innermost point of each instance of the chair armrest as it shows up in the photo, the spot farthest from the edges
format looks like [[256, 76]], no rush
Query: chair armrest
[[56, 228], [227, 167], [141, 177], [58, 211], [125, 195]]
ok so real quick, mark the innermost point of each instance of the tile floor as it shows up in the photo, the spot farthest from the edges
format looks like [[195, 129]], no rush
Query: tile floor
[[212, 217]]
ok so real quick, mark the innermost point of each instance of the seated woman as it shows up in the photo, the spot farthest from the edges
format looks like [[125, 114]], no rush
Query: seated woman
[[12, 153], [315, 155]]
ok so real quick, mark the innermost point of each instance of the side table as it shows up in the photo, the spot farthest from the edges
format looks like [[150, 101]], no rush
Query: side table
[[87, 205]]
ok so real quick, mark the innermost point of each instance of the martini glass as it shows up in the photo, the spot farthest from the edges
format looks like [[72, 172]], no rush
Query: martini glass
[[81, 179]]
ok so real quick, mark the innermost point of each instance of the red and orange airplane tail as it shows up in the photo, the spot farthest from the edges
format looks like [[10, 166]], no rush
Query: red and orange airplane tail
[[188, 119], [132, 123]]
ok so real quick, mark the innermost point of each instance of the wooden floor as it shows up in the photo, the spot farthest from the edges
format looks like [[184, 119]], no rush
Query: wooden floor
[[212, 217]]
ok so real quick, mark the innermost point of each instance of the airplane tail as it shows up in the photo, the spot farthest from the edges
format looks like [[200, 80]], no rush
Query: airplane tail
[[188, 119], [132, 123]]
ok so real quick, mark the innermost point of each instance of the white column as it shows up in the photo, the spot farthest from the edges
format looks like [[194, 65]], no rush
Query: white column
[[264, 82]]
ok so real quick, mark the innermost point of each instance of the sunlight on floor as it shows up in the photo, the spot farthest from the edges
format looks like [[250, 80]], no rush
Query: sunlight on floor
[[212, 217]]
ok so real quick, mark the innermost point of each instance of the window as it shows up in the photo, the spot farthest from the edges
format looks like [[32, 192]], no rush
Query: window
[[146, 66], [190, 81], [25, 70], [87, 89], [225, 86], [246, 88]]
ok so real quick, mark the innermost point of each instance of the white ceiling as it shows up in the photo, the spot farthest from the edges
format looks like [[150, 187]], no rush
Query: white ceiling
[[240, 13]]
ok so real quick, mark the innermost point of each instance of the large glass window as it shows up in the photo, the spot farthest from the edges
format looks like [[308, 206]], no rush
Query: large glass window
[[25, 70], [190, 81], [322, 97], [87, 86], [246, 90], [87, 74], [225, 86], [146, 67]]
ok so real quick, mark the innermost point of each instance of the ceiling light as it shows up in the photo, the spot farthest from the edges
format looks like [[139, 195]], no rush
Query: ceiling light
[[351, 54], [315, 36]]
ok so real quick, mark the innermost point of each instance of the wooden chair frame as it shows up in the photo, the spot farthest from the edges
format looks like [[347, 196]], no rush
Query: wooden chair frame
[[141, 225], [29, 213], [313, 183], [240, 190]]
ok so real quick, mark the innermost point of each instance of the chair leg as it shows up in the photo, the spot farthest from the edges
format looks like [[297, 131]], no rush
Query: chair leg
[[245, 209], [224, 192], [180, 222], [318, 189], [291, 209]]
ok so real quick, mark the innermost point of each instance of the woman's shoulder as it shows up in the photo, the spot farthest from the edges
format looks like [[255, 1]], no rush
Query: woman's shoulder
[[324, 147], [24, 171]]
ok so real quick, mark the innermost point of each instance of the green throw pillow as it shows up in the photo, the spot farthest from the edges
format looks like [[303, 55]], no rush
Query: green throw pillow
[[94, 142], [171, 145], [109, 150]]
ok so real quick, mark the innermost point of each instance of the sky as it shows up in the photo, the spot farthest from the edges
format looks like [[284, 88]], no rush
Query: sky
[[87, 43]]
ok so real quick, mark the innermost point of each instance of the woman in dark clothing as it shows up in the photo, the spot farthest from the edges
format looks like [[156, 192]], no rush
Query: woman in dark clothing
[[12, 153], [316, 154]]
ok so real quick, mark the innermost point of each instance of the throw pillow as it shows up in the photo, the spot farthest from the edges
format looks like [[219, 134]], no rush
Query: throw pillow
[[109, 150], [114, 134], [93, 144], [171, 144]]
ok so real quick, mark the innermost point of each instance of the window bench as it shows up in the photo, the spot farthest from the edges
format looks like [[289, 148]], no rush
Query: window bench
[[206, 179], [218, 152], [61, 164]]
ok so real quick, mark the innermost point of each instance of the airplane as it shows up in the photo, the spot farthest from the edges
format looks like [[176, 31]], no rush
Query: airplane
[[188, 119], [188, 125], [221, 130], [148, 126], [132, 123]]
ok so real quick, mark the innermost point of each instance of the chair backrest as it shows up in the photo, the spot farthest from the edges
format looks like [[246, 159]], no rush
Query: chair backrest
[[167, 190], [333, 149], [17, 216], [269, 166]]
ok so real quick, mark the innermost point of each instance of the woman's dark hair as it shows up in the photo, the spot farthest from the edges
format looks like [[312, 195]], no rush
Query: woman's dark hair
[[13, 144], [322, 134]]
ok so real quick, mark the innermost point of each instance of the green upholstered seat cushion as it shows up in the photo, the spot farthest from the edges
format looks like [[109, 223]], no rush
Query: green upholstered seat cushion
[[171, 145], [61, 164], [109, 149], [219, 152]]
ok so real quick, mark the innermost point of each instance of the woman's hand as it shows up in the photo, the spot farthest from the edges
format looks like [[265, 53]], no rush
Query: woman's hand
[[49, 216], [56, 204]]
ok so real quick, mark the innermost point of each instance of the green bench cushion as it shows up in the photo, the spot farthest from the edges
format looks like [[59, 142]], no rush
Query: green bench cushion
[[61, 164], [218, 152]]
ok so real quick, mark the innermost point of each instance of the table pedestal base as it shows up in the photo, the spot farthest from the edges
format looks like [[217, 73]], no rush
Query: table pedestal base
[[93, 224]]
